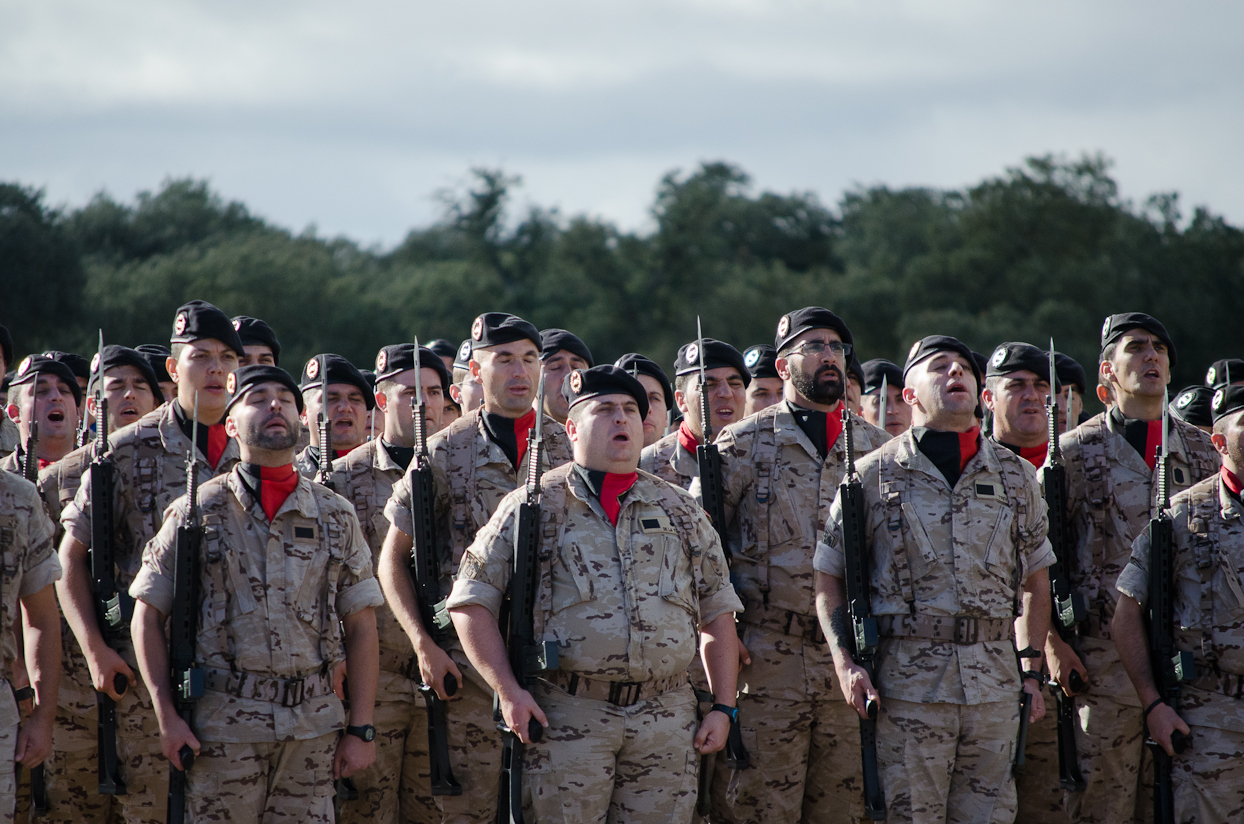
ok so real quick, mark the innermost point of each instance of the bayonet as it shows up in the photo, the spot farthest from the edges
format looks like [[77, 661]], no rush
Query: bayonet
[[883, 405]]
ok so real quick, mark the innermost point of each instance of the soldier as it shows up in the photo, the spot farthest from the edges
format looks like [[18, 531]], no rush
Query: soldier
[[349, 398], [1192, 405], [286, 584], [78, 365], [780, 471], [1017, 383], [766, 386], [621, 741], [27, 612], [1070, 377], [149, 460], [660, 393], [445, 351], [672, 458], [897, 413], [561, 353], [1224, 372], [855, 384], [158, 356], [466, 390], [475, 462], [957, 532], [400, 777], [258, 340], [1208, 546], [44, 390], [1110, 498]]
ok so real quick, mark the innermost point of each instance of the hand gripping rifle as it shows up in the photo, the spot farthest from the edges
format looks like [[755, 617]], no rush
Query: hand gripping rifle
[[324, 474], [527, 658], [426, 570], [30, 471], [187, 679], [865, 637], [113, 607], [1070, 608], [1170, 667]]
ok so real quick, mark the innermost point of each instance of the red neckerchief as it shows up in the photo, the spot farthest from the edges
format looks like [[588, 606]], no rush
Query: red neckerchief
[[687, 438], [275, 485], [833, 427], [969, 444], [217, 440], [1230, 481], [43, 464], [1153, 442], [612, 488], [341, 453], [522, 427], [1035, 455]]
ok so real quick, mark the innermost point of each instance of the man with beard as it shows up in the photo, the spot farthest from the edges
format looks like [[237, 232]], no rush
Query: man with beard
[[466, 390], [345, 402], [43, 390], [1111, 471], [726, 379], [9, 437], [397, 786], [660, 393], [258, 340], [780, 470], [766, 386], [897, 413], [475, 462], [158, 356], [1017, 384], [286, 584], [956, 530], [149, 460], [561, 353]]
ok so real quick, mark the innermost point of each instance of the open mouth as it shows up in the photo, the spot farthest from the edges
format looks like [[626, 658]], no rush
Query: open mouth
[[56, 416], [724, 412], [621, 437], [1152, 373]]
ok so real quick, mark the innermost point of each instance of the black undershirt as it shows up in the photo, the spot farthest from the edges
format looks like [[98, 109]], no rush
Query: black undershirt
[[1135, 432], [401, 455], [501, 430], [812, 422], [942, 448], [251, 479], [594, 478], [186, 424]]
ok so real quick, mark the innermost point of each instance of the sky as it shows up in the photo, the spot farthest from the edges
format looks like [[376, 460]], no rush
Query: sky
[[351, 117]]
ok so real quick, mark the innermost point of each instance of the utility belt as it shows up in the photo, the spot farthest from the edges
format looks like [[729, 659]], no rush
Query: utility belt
[[962, 630], [618, 693], [1230, 684], [807, 627], [402, 663], [288, 692]]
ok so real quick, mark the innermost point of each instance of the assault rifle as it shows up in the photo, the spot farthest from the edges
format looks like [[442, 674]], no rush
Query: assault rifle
[[1070, 608], [187, 679], [865, 637], [1170, 667], [426, 570], [324, 474], [30, 471], [527, 658], [113, 607]]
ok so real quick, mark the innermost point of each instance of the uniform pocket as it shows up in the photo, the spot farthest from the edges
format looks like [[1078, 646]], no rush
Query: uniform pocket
[[677, 584], [921, 558], [1000, 553], [572, 581]]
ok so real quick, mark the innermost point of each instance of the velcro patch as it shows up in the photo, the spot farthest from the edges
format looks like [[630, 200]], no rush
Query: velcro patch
[[305, 532], [988, 491], [650, 524]]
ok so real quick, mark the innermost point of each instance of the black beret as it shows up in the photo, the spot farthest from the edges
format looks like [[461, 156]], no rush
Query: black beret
[[255, 332], [1116, 325], [1222, 371], [114, 356], [157, 355], [927, 347], [1228, 399], [1192, 405], [340, 370], [794, 324], [552, 340], [1017, 356], [6, 345], [716, 355], [634, 363], [78, 365], [198, 320], [496, 328], [1069, 371], [856, 369], [32, 366], [370, 377], [443, 348], [761, 361], [878, 368], [241, 380], [462, 357], [8, 378], [399, 357], [582, 384]]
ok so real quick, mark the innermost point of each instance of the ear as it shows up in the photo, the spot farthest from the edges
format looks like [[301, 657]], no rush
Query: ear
[[382, 401], [90, 404], [572, 430], [231, 428], [909, 396], [783, 368], [474, 368], [987, 398], [15, 413], [681, 401], [170, 363], [455, 392]]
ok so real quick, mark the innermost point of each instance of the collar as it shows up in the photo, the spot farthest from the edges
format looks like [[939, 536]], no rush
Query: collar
[[301, 499]]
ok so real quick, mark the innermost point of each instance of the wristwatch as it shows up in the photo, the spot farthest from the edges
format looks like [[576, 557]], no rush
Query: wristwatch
[[366, 732], [731, 712]]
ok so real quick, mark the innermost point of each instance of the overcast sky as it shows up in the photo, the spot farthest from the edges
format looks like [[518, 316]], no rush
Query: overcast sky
[[352, 115]]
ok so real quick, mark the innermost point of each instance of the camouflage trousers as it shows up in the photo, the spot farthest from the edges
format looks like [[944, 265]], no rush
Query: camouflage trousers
[[1036, 783], [474, 751], [598, 762], [397, 787], [1110, 744], [72, 773], [8, 774], [803, 739], [948, 763], [291, 781], [1208, 777]]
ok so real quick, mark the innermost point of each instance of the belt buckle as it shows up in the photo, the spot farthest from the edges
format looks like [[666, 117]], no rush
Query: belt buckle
[[967, 629], [620, 688], [297, 686]]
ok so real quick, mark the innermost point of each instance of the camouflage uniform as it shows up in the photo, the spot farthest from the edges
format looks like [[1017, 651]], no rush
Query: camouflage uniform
[[273, 595], [30, 564], [10, 437], [802, 737], [624, 605], [149, 459], [669, 461], [1208, 539], [1111, 496], [947, 567], [471, 474], [401, 776]]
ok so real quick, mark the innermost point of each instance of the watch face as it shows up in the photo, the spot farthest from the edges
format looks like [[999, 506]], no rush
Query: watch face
[[369, 733]]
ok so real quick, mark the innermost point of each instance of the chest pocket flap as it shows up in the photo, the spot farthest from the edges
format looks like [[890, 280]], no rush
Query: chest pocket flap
[[923, 558]]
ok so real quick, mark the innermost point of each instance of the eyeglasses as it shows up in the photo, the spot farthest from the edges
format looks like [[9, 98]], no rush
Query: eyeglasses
[[815, 348]]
